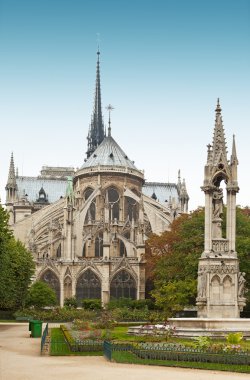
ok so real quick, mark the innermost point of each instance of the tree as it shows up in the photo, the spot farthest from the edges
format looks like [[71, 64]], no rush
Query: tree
[[40, 295], [172, 259], [16, 267]]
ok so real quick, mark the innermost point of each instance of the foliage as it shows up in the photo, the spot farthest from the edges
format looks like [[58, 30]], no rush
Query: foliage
[[129, 357], [59, 346], [40, 295], [67, 334], [234, 338], [130, 304], [92, 304], [106, 320], [243, 247], [57, 314], [165, 331], [80, 325], [172, 259], [16, 267], [70, 302], [202, 342]]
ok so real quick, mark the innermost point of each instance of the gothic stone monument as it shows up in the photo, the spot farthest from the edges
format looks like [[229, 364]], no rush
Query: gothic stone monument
[[220, 284]]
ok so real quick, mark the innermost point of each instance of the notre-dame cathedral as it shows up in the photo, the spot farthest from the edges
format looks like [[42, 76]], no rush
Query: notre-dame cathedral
[[87, 228]]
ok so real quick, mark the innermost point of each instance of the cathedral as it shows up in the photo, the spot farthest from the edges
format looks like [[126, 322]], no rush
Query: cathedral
[[86, 228]]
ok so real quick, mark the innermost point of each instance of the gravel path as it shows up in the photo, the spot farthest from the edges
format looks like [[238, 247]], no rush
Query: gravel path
[[20, 360]]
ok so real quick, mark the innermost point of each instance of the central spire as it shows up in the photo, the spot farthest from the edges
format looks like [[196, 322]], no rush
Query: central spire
[[96, 130]]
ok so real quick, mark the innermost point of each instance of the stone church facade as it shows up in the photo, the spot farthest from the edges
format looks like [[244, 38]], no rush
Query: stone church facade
[[87, 228]]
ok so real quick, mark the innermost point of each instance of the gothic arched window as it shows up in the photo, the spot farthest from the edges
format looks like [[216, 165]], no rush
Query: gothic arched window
[[114, 202], [59, 251], [88, 286], [52, 280], [123, 285], [84, 250], [99, 245], [91, 214], [123, 251], [131, 208]]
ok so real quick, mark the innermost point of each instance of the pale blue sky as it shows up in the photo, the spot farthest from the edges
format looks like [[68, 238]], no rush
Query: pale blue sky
[[163, 65]]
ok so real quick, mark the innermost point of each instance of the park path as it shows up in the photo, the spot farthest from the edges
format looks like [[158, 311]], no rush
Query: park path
[[20, 359]]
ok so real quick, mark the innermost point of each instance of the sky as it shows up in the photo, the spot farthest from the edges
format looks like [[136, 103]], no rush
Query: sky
[[163, 63]]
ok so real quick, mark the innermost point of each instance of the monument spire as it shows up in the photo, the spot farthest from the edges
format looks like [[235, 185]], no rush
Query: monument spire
[[219, 148], [96, 131]]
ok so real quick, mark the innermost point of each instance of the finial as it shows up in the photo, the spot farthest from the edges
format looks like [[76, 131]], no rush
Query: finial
[[218, 108], [109, 108]]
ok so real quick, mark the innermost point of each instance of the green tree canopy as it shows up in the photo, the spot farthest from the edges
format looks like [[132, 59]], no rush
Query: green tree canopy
[[172, 259], [16, 267], [40, 295]]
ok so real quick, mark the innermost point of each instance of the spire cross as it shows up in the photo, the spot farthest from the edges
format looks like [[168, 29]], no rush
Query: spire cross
[[98, 43], [110, 109]]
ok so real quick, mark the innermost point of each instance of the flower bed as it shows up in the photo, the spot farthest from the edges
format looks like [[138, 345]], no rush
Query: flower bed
[[154, 330]]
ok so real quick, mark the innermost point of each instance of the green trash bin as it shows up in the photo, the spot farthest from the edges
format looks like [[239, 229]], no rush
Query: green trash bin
[[36, 328]]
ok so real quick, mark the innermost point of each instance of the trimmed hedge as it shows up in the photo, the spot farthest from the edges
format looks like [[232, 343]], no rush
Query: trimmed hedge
[[63, 314]]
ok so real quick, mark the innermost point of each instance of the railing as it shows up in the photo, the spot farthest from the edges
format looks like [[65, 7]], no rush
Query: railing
[[107, 350], [44, 336], [87, 345], [145, 352], [220, 245]]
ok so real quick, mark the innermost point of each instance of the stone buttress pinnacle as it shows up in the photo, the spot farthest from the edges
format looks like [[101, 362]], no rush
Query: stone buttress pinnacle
[[234, 159], [11, 183]]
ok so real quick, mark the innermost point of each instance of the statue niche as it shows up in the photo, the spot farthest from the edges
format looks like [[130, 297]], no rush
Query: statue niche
[[217, 202]]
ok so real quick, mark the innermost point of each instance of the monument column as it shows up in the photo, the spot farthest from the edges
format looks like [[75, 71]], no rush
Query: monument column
[[221, 286]]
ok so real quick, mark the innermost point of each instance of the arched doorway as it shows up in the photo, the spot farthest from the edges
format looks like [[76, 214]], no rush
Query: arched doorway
[[88, 286], [52, 280], [123, 285]]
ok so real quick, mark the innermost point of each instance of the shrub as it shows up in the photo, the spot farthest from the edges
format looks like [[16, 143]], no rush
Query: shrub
[[119, 303], [58, 314], [80, 325], [40, 295], [234, 338], [142, 304], [70, 302], [67, 335], [106, 320], [202, 342], [92, 304]]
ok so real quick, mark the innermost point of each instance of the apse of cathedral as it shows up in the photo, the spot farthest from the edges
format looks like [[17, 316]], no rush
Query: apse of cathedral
[[87, 228]]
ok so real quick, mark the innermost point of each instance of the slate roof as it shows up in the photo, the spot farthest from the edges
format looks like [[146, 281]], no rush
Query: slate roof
[[109, 153], [54, 188], [163, 191]]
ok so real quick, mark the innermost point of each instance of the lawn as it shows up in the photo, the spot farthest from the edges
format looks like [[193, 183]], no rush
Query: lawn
[[128, 357], [59, 346], [119, 333]]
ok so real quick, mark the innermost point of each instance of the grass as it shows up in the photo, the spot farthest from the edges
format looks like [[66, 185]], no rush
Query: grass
[[59, 346], [119, 333], [128, 357]]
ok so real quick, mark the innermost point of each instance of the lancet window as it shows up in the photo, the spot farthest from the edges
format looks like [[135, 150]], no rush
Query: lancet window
[[52, 280], [123, 285], [88, 286]]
